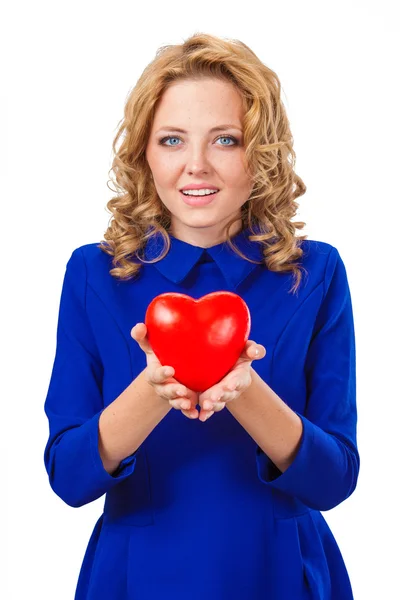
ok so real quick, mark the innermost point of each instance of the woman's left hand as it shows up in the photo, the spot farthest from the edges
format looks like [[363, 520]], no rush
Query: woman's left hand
[[233, 384]]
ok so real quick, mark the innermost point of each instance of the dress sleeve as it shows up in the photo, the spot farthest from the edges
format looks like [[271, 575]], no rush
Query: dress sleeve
[[74, 401], [326, 466]]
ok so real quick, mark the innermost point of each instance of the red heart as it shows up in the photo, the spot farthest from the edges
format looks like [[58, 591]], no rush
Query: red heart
[[201, 339]]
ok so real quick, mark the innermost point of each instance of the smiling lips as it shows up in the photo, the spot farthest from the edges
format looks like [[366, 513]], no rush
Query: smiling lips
[[199, 186], [198, 200]]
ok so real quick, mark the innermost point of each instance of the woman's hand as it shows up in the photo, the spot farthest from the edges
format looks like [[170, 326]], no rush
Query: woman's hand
[[233, 384], [161, 378]]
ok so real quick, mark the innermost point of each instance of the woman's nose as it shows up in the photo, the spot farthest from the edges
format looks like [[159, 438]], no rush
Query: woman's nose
[[197, 161]]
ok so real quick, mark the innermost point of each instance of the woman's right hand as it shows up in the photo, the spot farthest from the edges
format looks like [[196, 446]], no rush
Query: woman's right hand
[[162, 381]]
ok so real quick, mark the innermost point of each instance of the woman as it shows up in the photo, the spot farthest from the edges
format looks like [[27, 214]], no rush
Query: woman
[[227, 507]]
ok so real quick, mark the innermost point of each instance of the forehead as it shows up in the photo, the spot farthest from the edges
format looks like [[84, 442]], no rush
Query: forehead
[[209, 101]]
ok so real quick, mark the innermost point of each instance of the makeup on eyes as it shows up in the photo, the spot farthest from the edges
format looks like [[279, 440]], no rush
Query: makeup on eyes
[[231, 137]]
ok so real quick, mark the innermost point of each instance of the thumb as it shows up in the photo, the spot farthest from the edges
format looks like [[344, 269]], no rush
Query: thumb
[[139, 334]]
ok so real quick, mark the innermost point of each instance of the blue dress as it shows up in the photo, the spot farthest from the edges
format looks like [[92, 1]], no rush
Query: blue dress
[[264, 537]]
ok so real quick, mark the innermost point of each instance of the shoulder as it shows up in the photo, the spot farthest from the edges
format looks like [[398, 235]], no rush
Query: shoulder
[[321, 259], [89, 261], [91, 255], [315, 250]]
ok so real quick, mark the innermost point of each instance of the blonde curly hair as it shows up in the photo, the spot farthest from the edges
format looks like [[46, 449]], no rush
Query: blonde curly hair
[[138, 213]]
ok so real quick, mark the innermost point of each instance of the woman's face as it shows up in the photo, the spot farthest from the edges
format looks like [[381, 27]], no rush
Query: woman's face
[[199, 155]]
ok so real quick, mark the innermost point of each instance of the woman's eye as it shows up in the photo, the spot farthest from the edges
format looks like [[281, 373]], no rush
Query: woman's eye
[[168, 138], [228, 137], [223, 137]]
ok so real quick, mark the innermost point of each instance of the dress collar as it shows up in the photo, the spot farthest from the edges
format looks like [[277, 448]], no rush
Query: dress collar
[[182, 257]]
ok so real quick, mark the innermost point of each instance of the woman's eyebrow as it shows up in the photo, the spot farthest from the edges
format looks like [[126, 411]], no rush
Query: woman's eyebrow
[[218, 128]]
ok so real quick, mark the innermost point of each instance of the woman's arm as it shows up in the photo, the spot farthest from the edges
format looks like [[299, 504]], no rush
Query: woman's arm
[[79, 425], [127, 421]]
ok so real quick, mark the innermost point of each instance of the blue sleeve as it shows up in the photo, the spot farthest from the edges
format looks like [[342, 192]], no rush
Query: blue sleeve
[[326, 467], [74, 401]]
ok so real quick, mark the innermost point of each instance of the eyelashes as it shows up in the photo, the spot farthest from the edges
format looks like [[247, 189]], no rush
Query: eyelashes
[[168, 137]]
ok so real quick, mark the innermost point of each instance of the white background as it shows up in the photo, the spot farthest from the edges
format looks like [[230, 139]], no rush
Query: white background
[[67, 70]]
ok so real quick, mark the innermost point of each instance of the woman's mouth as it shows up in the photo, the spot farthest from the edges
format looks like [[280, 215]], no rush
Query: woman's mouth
[[198, 200]]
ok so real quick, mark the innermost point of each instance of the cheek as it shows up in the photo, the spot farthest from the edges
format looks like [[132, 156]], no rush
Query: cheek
[[234, 173], [166, 186], [165, 170], [162, 167]]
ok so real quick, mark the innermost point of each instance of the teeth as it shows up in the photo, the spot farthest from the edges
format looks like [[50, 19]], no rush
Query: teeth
[[203, 192]]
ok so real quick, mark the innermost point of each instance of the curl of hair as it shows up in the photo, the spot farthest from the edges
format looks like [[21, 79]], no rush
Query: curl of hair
[[137, 211]]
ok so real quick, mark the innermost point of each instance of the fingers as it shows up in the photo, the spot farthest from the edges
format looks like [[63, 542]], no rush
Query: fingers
[[138, 331], [180, 400], [176, 394], [254, 351], [216, 398], [139, 334], [185, 407], [160, 374], [214, 402]]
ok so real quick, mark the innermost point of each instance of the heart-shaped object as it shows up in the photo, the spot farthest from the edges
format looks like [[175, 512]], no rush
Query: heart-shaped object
[[201, 339]]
